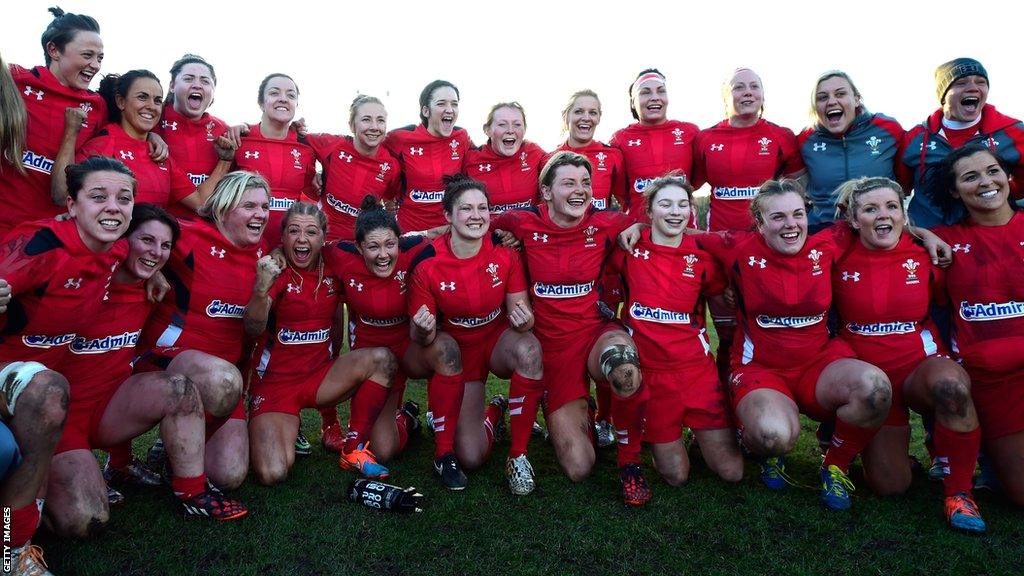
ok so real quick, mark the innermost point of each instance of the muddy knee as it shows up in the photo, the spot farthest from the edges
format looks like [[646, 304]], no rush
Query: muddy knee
[[620, 366], [952, 397], [220, 388], [448, 359]]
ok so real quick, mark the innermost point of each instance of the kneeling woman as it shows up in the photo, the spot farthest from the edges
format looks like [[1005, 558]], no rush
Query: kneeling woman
[[298, 371], [109, 406], [466, 285]]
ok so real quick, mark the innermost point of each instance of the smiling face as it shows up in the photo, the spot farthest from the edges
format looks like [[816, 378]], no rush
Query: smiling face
[[280, 99], [650, 101], [442, 112], [149, 247], [569, 195], [80, 60], [783, 222], [302, 240], [243, 226], [669, 213], [369, 126], [835, 104], [193, 90], [965, 99], [506, 131], [982, 185], [879, 217], [141, 107], [582, 119], [470, 216], [102, 208], [746, 96], [379, 249]]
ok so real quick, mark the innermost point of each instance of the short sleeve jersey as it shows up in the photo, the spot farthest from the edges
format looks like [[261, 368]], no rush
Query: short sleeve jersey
[[735, 162], [288, 166], [190, 142], [652, 151], [425, 159], [348, 178], [163, 183], [511, 180], [608, 179]]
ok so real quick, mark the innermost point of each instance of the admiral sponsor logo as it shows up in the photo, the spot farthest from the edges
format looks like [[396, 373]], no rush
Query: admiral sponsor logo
[[499, 208], [426, 196], [280, 204], [640, 183], [341, 206], [600, 203], [542, 290], [881, 328], [197, 179], [991, 311], [766, 321], [659, 315], [106, 344], [286, 336], [32, 161], [473, 321], [735, 192], [218, 309], [384, 322], [42, 341]]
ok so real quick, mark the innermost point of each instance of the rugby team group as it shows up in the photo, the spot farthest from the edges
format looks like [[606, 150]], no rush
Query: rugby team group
[[162, 268]]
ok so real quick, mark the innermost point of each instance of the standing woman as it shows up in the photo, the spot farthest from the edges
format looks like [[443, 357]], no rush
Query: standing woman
[[354, 166], [882, 285], [580, 119], [846, 141], [654, 145], [507, 164], [73, 52], [428, 152], [735, 157], [668, 279], [985, 285], [298, 370]]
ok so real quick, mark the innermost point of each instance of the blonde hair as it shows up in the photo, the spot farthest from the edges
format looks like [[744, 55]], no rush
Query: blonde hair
[[825, 76], [13, 120], [513, 105], [228, 194], [772, 189], [848, 192], [727, 89], [358, 101], [572, 101]]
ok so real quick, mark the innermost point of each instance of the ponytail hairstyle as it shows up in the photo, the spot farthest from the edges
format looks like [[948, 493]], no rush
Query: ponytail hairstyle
[[114, 85], [428, 92], [455, 185], [373, 216], [268, 78], [181, 63], [848, 193], [305, 209], [633, 87], [572, 102], [76, 173], [63, 29]]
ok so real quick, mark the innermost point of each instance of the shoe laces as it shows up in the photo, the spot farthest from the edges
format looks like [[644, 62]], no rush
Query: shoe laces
[[840, 484], [30, 553], [961, 503], [775, 468]]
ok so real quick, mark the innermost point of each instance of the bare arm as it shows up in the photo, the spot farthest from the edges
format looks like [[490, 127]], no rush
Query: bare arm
[[73, 120], [258, 309], [423, 327], [520, 314]]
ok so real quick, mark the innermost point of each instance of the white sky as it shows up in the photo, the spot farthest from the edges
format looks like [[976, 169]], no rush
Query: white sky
[[539, 52]]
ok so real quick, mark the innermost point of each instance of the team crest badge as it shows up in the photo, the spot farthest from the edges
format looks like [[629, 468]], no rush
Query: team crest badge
[[911, 267]]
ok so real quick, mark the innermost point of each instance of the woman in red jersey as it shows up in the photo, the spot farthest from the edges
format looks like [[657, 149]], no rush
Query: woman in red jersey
[[467, 285], [654, 145], [354, 166], [882, 285], [197, 330], [984, 286], [427, 152], [109, 405], [507, 163], [667, 278], [297, 369], [373, 274]]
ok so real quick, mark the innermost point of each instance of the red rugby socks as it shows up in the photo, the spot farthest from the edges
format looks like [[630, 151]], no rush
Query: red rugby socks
[[628, 416], [366, 405], [187, 488], [524, 395], [847, 441], [959, 452], [444, 399], [24, 522]]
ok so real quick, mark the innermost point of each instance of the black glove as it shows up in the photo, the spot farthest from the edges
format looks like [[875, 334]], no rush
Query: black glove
[[381, 496]]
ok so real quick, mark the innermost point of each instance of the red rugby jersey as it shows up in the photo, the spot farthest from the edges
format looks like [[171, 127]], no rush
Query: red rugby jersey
[[58, 284], [883, 298], [652, 151], [191, 142], [512, 181], [26, 197], [288, 165], [735, 162], [212, 281], [465, 294], [564, 266], [348, 178], [608, 179], [985, 285], [425, 158], [163, 183]]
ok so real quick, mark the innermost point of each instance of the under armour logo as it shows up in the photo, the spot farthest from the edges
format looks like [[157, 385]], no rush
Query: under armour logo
[[762, 262], [847, 276], [173, 126], [447, 286], [542, 237], [484, 167], [965, 248], [633, 142], [29, 92], [218, 253], [127, 155], [357, 285], [416, 151], [75, 283], [345, 157], [645, 254], [930, 146], [294, 288], [819, 147], [252, 155], [717, 147]]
